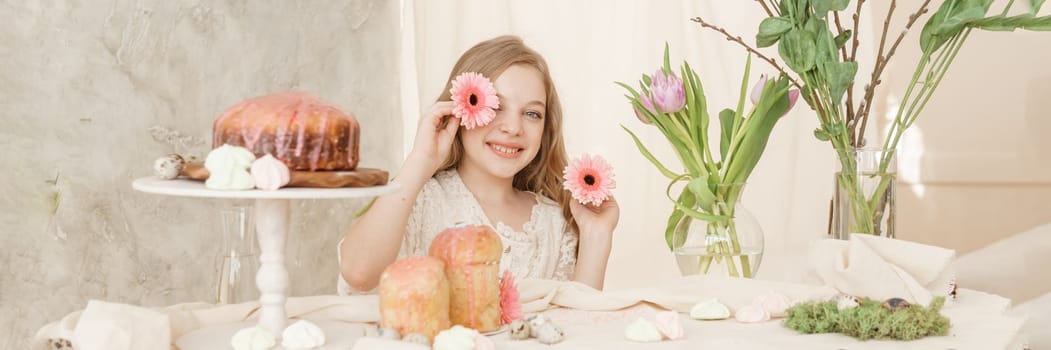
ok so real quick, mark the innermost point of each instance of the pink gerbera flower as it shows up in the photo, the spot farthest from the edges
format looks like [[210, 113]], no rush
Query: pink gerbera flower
[[590, 179], [475, 99], [510, 306]]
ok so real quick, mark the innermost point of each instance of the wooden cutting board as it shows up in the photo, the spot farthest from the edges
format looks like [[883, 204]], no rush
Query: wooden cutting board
[[361, 177]]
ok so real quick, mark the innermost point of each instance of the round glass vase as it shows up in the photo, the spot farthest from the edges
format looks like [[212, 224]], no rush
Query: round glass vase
[[730, 247], [863, 200]]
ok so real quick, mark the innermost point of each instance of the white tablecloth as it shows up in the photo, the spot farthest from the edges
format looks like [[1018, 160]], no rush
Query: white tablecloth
[[594, 319]]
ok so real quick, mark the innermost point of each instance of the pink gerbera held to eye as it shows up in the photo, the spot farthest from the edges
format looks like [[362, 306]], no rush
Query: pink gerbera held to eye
[[590, 179], [475, 99]]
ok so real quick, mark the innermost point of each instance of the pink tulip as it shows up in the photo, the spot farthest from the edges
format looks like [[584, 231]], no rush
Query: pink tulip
[[757, 90], [646, 102], [793, 95], [668, 93]]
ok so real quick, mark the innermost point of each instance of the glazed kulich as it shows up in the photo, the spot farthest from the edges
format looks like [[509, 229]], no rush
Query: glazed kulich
[[472, 266], [414, 296], [298, 129]]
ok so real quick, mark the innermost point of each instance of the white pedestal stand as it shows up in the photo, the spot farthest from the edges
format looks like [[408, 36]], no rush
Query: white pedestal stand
[[271, 220]]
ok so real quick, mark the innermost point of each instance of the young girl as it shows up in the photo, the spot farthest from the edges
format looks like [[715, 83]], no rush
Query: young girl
[[506, 174]]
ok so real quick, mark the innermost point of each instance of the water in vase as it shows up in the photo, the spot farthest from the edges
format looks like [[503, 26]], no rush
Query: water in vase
[[697, 260]]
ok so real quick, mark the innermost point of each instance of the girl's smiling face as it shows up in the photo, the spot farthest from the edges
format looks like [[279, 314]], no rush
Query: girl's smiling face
[[511, 141]]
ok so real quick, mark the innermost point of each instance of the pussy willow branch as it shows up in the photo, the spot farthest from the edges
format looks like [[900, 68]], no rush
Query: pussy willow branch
[[767, 9], [843, 51], [857, 22], [881, 63], [852, 124], [730, 37], [852, 114]]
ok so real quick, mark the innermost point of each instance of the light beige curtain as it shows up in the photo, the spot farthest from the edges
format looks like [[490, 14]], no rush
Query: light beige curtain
[[591, 44]]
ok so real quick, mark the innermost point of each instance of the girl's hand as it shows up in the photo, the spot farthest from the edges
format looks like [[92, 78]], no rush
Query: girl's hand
[[433, 138], [596, 220]]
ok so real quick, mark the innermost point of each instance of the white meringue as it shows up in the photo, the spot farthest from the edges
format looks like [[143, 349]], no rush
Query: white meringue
[[253, 338], [710, 309], [549, 333], [228, 168], [270, 174], [302, 335], [642, 331], [456, 338], [668, 323], [752, 314], [773, 302], [482, 342]]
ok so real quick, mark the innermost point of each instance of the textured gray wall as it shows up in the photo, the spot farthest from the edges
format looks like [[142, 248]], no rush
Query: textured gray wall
[[91, 91]]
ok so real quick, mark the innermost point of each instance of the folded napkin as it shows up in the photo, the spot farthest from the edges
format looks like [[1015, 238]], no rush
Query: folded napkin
[[882, 268], [107, 326]]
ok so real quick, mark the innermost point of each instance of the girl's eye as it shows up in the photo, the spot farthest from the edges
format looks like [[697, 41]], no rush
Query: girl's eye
[[534, 115]]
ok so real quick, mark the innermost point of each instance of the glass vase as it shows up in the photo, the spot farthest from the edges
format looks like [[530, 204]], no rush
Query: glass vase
[[863, 200], [730, 247], [238, 260]]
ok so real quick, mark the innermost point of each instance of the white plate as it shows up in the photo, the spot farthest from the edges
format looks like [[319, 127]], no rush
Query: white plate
[[503, 328]]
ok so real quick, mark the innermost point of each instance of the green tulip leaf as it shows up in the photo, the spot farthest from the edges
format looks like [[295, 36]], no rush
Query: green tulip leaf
[[646, 153], [727, 118], [1034, 6]]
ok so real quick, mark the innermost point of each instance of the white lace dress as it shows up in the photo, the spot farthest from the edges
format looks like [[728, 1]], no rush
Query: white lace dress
[[546, 249]]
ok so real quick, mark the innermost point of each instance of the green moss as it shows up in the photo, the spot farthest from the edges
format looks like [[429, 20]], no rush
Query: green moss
[[869, 320]]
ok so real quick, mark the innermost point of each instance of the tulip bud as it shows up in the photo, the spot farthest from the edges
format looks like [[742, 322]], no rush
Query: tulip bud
[[757, 90], [645, 100]]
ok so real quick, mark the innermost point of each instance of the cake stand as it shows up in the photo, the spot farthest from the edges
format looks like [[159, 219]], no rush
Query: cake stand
[[271, 222]]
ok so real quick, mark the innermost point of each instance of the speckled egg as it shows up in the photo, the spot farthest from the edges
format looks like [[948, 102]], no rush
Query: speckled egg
[[895, 304], [168, 167], [520, 330]]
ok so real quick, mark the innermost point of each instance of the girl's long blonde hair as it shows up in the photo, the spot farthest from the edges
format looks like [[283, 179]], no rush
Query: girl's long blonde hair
[[544, 174]]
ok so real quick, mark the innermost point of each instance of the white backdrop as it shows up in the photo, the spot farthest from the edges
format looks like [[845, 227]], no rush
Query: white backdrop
[[591, 44]]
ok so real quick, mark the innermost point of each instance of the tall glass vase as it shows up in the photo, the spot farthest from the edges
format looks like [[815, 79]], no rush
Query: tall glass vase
[[731, 247], [863, 201], [238, 260]]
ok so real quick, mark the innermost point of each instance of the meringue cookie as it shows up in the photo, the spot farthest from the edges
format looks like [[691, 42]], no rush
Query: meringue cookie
[[168, 167], [668, 323], [534, 323], [456, 338], [253, 338], [302, 335], [752, 314], [642, 331], [482, 342], [270, 174], [710, 309], [549, 333], [773, 302], [228, 168]]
